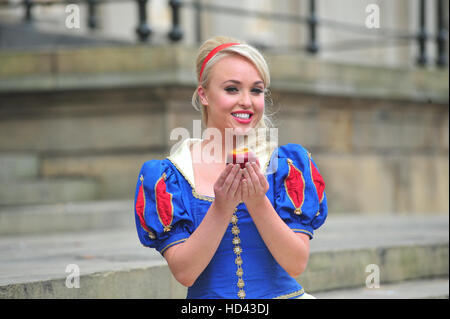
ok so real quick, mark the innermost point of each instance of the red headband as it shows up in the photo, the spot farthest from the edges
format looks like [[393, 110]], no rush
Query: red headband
[[211, 54]]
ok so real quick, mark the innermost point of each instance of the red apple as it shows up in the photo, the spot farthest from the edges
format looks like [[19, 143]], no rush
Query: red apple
[[241, 157]]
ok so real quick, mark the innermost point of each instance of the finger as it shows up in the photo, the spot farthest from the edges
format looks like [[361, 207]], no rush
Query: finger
[[249, 183], [244, 188], [262, 179], [224, 174], [239, 191], [252, 172], [230, 178], [234, 187]]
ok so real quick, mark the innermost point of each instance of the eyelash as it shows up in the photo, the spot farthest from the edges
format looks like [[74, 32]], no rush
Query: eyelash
[[233, 89]]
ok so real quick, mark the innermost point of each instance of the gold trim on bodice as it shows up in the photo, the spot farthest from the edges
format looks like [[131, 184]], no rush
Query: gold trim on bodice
[[237, 251]]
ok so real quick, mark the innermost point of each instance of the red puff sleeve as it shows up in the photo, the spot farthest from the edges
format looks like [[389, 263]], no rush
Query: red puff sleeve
[[160, 214], [299, 190]]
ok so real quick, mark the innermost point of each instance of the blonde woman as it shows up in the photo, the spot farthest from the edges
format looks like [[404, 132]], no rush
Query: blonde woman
[[228, 231]]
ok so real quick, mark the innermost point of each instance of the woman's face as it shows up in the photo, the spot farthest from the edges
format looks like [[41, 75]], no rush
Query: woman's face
[[234, 97]]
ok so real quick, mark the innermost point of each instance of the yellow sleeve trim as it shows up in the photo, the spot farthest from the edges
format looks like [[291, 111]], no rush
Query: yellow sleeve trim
[[173, 243], [303, 231]]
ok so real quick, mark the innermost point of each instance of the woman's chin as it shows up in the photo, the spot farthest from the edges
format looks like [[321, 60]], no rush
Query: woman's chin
[[238, 130], [241, 130]]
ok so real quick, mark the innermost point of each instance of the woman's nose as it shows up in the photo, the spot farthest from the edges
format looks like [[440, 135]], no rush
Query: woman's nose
[[245, 99]]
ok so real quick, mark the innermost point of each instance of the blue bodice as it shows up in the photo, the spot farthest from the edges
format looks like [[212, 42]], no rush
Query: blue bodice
[[168, 209]]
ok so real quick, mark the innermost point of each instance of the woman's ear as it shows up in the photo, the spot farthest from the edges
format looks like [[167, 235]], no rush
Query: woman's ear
[[202, 95]]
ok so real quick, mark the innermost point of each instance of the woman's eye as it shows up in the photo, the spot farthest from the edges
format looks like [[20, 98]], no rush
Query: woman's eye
[[234, 89], [231, 89]]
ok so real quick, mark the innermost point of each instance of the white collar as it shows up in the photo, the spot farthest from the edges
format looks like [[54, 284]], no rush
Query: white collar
[[182, 159]]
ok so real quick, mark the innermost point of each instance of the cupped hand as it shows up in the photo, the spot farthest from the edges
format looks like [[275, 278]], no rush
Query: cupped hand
[[227, 188], [254, 185]]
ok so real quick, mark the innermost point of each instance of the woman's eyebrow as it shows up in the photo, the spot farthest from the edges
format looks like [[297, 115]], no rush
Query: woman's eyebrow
[[238, 82]]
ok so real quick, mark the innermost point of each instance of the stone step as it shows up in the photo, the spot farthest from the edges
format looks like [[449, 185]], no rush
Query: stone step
[[436, 288], [113, 264], [65, 217], [15, 166], [42, 191]]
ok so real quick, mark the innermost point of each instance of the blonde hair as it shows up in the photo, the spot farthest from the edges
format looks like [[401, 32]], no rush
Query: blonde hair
[[251, 54], [242, 49]]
